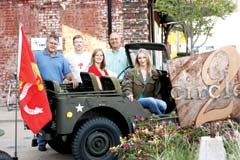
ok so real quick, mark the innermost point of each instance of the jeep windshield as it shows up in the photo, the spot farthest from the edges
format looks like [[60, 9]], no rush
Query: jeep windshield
[[159, 53]]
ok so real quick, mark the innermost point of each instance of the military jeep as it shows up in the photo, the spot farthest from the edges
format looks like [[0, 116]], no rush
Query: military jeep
[[87, 121]]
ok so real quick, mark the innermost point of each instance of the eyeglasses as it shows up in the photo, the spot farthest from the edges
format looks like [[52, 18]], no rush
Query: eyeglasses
[[78, 41], [112, 39], [52, 43]]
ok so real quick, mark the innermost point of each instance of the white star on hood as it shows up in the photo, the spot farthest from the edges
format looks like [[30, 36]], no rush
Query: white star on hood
[[79, 108]]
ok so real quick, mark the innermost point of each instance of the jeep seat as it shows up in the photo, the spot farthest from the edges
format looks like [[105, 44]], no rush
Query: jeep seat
[[52, 86], [89, 81], [111, 83]]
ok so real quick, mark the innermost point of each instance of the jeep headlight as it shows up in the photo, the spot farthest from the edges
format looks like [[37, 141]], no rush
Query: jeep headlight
[[69, 114]]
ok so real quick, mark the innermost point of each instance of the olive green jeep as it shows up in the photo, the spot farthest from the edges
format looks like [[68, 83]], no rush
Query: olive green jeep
[[87, 121]]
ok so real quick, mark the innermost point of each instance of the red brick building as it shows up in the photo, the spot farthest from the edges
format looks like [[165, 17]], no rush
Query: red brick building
[[94, 19]]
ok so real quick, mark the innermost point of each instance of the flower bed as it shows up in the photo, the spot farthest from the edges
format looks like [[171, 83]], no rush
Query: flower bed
[[157, 139]]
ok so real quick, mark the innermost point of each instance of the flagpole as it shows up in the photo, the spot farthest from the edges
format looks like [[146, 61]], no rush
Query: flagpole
[[16, 77], [16, 110]]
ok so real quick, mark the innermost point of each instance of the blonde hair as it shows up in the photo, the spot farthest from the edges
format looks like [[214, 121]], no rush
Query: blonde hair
[[103, 63], [148, 59]]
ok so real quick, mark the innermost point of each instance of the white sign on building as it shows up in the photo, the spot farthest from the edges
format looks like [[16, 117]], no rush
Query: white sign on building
[[38, 44]]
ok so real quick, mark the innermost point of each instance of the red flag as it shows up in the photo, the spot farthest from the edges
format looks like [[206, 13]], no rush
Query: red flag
[[34, 106]]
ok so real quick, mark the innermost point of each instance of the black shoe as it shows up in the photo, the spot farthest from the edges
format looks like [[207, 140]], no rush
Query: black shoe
[[34, 142], [42, 148]]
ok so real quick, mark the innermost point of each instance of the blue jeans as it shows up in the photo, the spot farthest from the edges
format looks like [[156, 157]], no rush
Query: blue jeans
[[40, 141], [237, 119], [156, 106]]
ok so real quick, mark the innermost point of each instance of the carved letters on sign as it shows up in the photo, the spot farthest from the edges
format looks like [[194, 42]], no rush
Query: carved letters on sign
[[206, 87]]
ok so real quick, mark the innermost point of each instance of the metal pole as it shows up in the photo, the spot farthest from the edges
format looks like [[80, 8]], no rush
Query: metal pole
[[109, 16], [152, 21], [16, 115], [17, 87], [153, 30]]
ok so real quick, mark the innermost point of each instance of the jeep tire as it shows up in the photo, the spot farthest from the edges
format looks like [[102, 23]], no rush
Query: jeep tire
[[93, 139], [5, 156]]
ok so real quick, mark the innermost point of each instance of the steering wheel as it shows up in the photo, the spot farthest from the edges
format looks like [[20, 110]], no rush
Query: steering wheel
[[123, 72]]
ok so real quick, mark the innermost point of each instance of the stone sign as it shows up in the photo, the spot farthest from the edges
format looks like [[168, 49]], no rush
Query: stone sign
[[206, 87]]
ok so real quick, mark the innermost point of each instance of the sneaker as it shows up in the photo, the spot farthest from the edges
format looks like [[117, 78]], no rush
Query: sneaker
[[42, 148], [34, 142]]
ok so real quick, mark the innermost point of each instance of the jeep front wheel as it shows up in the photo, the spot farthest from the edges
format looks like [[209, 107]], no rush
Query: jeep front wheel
[[94, 138]]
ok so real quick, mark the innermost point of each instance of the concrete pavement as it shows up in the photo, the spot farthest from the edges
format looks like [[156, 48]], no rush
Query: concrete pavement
[[21, 148], [9, 116]]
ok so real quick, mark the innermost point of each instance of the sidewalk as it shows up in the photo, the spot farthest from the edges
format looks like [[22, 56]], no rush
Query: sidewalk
[[8, 116]]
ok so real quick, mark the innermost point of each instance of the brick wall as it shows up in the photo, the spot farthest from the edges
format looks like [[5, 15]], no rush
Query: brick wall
[[66, 18]]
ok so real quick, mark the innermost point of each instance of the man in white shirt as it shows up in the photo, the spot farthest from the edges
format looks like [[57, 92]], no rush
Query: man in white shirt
[[78, 60]]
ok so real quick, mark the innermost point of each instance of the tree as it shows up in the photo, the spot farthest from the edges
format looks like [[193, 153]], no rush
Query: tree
[[195, 18]]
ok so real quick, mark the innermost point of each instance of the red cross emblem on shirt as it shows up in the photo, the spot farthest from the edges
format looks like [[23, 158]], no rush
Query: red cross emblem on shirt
[[80, 65]]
